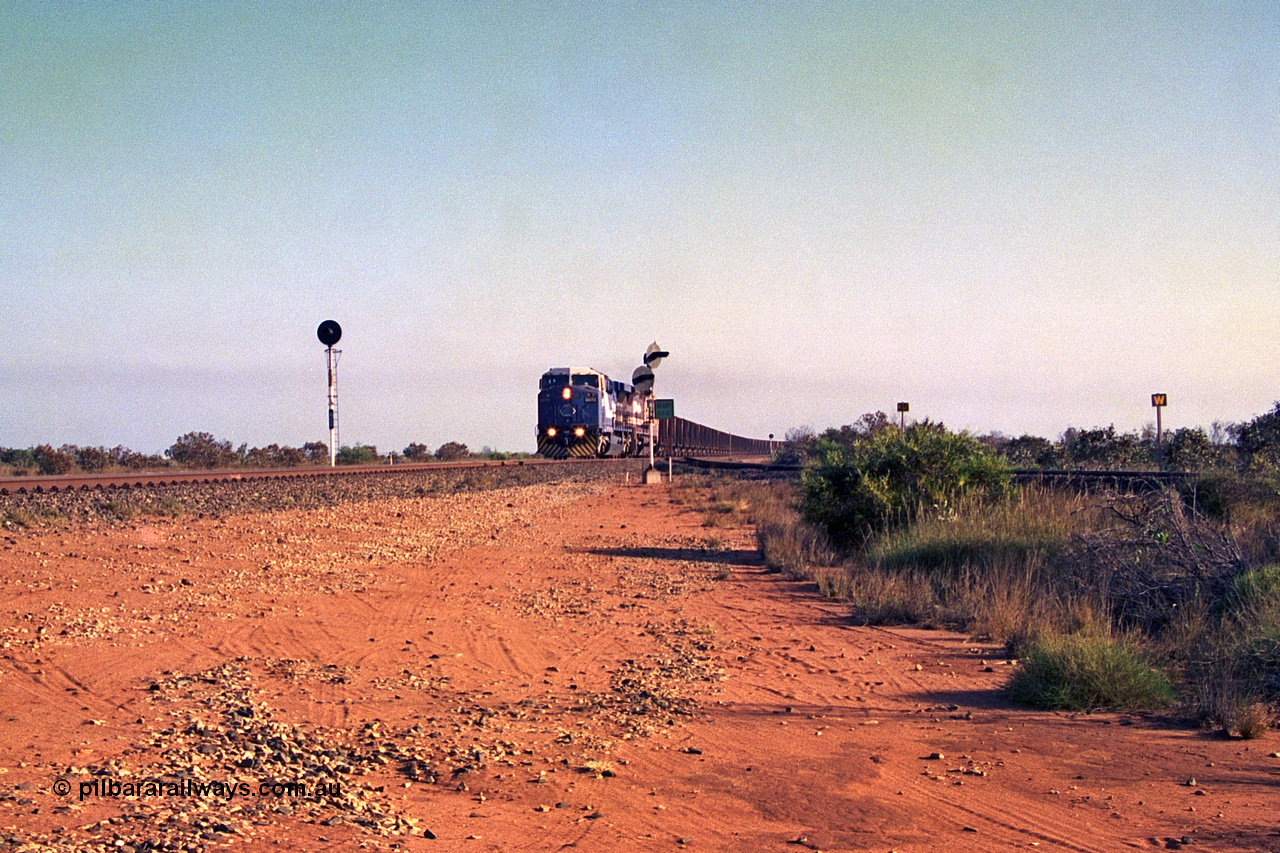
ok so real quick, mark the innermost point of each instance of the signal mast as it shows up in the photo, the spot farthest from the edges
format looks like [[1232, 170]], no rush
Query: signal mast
[[329, 334], [642, 379]]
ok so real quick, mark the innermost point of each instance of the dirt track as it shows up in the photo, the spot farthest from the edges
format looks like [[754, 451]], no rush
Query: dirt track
[[538, 668]]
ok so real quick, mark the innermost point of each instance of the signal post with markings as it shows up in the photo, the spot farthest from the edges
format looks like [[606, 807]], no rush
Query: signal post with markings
[[1159, 401]]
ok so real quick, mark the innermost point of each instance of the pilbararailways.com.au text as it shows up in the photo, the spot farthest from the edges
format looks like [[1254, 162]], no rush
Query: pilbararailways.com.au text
[[192, 788]]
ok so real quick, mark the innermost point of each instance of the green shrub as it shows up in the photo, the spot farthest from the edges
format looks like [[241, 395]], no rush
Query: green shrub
[[1256, 589], [316, 452], [201, 451], [1190, 579], [863, 484], [272, 456], [1258, 440], [1088, 673], [1027, 451], [1233, 670], [359, 454], [1106, 449], [796, 446], [17, 457], [51, 461], [416, 452], [123, 457], [89, 458], [1034, 523], [1191, 449], [451, 451]]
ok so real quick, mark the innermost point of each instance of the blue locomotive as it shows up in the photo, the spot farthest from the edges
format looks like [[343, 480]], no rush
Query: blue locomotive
[[584, 413]]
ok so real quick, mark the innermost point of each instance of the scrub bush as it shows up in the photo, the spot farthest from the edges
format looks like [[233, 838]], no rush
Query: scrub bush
[[201, 451], [51, 461], [451, 451], [360, 454], [1087, 673], [862, 484]]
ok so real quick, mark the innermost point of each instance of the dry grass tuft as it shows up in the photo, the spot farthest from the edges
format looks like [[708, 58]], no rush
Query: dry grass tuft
[[598, 766], [1043, 568]]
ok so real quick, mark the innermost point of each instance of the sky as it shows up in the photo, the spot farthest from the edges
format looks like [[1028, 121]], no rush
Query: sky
[[1017, 217]]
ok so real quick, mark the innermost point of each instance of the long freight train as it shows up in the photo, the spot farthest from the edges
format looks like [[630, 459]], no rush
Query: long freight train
[[582, 412]]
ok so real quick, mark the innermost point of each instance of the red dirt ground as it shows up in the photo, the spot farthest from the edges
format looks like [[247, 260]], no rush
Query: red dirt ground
[[583, 667]]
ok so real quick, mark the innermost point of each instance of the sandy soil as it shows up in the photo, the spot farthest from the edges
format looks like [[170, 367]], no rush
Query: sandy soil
[[578, 666]]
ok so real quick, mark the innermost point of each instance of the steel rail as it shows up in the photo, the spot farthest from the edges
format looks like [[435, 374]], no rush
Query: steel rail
[[1021, 476], [53, 483], [689, 443]]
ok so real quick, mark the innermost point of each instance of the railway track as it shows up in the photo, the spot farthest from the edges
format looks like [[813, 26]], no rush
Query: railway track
[[1060, 478], [675, 437], [53, 484]]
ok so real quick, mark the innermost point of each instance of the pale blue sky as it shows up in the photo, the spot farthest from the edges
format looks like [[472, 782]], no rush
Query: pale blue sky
[[1017, 216]]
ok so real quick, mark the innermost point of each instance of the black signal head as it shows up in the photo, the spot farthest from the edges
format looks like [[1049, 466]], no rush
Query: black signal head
[[329, 332]]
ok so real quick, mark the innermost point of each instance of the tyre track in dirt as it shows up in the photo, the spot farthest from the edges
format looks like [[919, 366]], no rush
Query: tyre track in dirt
[[632, 682]]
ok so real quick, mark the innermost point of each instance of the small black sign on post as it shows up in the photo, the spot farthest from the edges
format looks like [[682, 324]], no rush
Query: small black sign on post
[[1159, 401], [903, 408]]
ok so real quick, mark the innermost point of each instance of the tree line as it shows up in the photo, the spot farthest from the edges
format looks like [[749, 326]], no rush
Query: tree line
[[203, 451], [1253, 444]]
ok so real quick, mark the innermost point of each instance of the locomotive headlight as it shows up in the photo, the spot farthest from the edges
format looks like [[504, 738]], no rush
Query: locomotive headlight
[[551, 432], [579, 432], [567, 393]]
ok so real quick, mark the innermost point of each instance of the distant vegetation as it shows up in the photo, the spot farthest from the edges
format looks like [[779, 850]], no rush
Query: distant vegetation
[[44, 459], [203, 451], [358, 454], [1248, 445], [1165, 599]]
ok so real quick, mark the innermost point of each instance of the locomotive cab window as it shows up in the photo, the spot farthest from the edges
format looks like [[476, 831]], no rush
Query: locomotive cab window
[[553, 381], [588, 379]]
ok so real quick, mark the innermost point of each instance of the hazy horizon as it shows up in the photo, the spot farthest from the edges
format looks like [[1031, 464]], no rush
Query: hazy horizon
[[1019, 218]]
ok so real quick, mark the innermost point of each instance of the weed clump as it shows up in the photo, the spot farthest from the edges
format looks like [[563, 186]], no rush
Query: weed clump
[[23, 518], [119, 510], [166, 506], [786, 544], [1055, 575], [1088, 673]]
